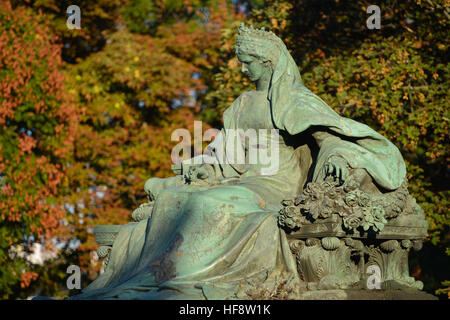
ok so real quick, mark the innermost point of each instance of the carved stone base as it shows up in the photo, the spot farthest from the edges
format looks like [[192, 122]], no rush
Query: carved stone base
[[366, 295], [346, 263], [345, 238]]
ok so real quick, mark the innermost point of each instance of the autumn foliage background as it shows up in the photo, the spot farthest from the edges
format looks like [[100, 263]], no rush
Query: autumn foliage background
[[86, 115]]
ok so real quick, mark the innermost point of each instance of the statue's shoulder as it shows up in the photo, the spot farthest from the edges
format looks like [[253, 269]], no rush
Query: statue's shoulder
[[246, 95], [304, 99], [236, 103], [302, 93]]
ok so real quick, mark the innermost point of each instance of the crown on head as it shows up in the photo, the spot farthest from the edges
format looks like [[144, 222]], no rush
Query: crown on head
[[264, 44]]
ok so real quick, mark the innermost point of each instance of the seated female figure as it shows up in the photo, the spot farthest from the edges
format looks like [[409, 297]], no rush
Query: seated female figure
[[212, 232]]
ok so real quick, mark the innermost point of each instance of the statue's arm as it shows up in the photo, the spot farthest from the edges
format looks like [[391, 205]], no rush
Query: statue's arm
[[202, 169], [335, 164], [211, 166]]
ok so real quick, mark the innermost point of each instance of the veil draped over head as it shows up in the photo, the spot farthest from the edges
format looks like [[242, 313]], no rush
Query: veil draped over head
[[285, 78], [295, 109]]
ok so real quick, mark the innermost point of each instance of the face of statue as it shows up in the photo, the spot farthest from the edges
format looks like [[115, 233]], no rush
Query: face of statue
[[252, 67]]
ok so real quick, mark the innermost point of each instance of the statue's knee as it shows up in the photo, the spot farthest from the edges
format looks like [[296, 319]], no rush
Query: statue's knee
[[154, 186]]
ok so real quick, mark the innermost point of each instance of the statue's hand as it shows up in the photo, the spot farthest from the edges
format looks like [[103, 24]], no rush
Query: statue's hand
[[144, 211], [338, 167], [196, 173]]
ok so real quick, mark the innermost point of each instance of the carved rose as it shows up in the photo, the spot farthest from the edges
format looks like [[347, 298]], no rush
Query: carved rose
[[332, 193], [378, 214], [311, 199], [374, 217], [396, 210], [327, 208], [291, 211], [313, 189], [341, 208], [289, 216], [352, 222], [351, 199], [364, 199], [351, 185], [286, 222]]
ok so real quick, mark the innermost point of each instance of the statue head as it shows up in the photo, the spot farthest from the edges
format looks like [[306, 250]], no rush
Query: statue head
[[265, 54], [262, 51], [258, 51]]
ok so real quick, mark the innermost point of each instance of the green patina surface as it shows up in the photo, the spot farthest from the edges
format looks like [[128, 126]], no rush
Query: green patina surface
[[215, 230]]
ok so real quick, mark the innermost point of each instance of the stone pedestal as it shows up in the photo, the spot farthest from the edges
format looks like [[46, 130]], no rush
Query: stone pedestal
[[331, 257], [366, 295]]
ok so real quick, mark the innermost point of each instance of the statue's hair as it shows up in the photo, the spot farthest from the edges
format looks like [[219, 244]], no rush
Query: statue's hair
[[264, 45]]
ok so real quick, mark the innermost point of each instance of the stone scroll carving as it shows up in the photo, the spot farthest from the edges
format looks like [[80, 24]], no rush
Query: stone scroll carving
[[338, 231], [105, 236]]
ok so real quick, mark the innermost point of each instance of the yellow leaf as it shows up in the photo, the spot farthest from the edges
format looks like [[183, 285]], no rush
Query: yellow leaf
[[421, 97], [274, 23]]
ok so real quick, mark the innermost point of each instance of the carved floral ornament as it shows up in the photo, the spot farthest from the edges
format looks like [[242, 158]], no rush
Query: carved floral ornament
[[358, 209]]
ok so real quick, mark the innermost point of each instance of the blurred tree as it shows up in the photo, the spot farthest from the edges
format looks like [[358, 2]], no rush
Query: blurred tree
[[98, 19], [38, 123]]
